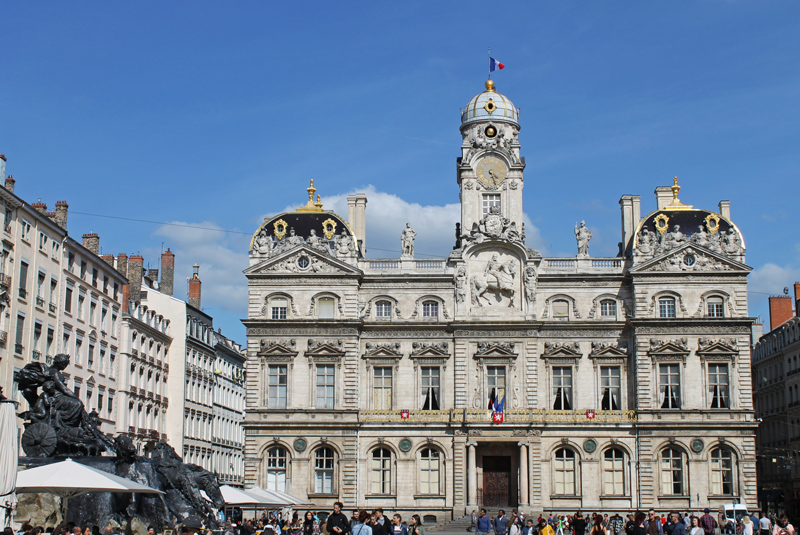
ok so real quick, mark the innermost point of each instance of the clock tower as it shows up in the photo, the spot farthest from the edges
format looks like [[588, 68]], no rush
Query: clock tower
[[490, 167]]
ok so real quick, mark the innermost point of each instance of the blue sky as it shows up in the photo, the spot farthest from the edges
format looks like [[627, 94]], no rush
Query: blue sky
[[218, 113]]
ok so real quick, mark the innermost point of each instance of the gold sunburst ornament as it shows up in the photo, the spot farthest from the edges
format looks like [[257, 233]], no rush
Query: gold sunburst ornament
[[712, 223], [279, 227], [329, 228], [490, 106], [662, 223]]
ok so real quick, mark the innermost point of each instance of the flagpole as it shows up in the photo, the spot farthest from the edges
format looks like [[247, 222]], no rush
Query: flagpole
[[490, 63]]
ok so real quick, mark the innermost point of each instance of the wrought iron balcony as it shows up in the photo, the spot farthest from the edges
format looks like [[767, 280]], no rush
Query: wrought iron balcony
[[3, 337], [36, 355], [23, 293], [39, 302], [52, 307], [5, 280], [18, 349]]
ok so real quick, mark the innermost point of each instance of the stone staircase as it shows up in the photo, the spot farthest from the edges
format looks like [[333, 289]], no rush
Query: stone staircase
[[457, 525]]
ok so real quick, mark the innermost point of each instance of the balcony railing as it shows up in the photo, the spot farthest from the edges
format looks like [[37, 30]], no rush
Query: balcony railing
[[5, 280], [52, 307], [18, 349], [36, 355], [515, 416], [39, 302], [23, 293], [3, 337]]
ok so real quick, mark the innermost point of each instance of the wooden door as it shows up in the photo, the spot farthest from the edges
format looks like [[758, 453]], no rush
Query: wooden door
[[496, 481]]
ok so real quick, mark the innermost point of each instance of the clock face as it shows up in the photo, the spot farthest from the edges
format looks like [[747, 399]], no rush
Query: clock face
[[491, 171]]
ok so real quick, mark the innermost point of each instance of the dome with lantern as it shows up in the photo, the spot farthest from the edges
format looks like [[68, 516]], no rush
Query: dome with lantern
[[490, 105]]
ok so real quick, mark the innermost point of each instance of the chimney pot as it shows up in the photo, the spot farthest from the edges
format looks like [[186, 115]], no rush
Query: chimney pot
[[195, 287], [167, 284], [780, 310], [61, 214], [10, 183], [92, 242]]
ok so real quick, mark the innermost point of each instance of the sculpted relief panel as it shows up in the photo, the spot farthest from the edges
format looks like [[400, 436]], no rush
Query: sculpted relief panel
[[494, 282]]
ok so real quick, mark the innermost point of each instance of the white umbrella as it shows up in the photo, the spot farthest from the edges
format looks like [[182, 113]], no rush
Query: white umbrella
[[9, 451], [277, 497], [68, 479], [234, 496]]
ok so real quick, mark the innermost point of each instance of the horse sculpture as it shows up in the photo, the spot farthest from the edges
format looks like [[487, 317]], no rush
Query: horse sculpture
[[498, 278]]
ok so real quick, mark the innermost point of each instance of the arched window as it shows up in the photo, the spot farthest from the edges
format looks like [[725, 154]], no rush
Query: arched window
[[429, 471], [614, 472], [672, 476], [666, 307], [323, 471], [430, 310], [564, 472], [383, 310], [715, 307], [381, 471], [560, 309], [721, 472], [325, 308], [608, 309], [276, 469]]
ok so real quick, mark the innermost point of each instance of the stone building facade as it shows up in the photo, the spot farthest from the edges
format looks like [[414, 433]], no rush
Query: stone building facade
[[776, 393], [497, 376], [227, 434]]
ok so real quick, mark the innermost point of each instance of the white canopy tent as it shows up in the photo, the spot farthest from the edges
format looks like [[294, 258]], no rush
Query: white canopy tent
[[9, 450], [282, 498], [68, 479]]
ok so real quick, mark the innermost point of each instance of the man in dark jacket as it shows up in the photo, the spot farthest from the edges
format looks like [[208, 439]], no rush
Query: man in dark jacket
[[483, 525], [678, 527], [500, 523], [337, 523]]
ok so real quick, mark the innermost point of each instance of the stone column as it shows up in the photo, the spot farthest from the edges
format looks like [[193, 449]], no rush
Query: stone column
[[524, 495], [472, 475]]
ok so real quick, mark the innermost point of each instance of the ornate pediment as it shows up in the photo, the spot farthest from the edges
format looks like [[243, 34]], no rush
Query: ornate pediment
[[669, 350], [496, 349], [722, 349], [430, 349], [284, 349], [690, 257], [382, 349], [302, 260], [562, 349], [601, 350], [318, 348]]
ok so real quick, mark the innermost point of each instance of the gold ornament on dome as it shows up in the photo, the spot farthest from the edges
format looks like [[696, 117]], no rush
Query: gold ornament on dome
[[329, 228], [311, 206], [676, 204], [279, 228], [490, 106], [662, 223], [712, 223]]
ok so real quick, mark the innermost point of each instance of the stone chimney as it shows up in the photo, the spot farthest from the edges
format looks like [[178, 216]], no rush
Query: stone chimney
[[357, 217], [92, 242], [135, 272], [780, 310], [152, 274], [10, 183], [725, 209], [663, 196], [194, 288], [61, 213], [167, 284], [108, 259], [122, 264], [631, 209], [40, 207]]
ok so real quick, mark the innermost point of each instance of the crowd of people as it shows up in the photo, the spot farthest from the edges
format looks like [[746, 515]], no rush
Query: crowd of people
[[639, 523]]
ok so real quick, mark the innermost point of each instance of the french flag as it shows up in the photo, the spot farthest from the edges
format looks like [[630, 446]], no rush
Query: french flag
[[494, 64]]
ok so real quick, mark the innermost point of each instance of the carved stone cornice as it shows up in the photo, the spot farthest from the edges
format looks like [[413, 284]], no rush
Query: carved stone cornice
[[430, 349], [562, 349], [277, 350], [608, 350], [669, 350], [382, 349], [320, 350], [504, 350], [725, 349]]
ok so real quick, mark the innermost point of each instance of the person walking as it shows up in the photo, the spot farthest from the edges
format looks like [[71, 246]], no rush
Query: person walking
[[362, 527], [501, 523], [764, 525], [697, 530], [708, 523], [473, 520], [578, 524], [545, 528], [678, 527], [747, 526], [483, 525], [416, 527], [597, 526]]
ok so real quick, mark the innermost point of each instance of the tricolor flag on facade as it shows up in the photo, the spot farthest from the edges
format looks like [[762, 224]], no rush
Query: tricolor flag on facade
[[498, 414], [494, 64]]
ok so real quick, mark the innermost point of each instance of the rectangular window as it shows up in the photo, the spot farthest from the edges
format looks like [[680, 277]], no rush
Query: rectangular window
[[382, 388], [83, 269], [562, 388], [105, 284], [666, 307], [53, 293], [19, 334], [48, 350], [25, 230], [430, 388], [94, 277], [613, 473], [326, 308], [68, 300], [78, 350], [560, 310], [718, 393], [37, 339], [7, 221], [610, 388], [110, 401], [81, 300], [42, 241], [56, 249], [715, 307], [116, 291], [326, 383], [490, 200], [70, 261], [608, 309], [496, 382], [103, 315], [669, 386], [277, 386], [430, 310], [279, 306], [92, 309], [90, 357], [40, 287], [23, 279]]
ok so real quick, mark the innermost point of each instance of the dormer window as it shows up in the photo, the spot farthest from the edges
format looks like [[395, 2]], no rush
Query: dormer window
[[383, 310], [608, 309], [278, 308], [666, 307]]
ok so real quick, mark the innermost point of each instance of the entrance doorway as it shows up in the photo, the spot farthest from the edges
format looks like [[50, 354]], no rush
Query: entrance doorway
[[496, 480]]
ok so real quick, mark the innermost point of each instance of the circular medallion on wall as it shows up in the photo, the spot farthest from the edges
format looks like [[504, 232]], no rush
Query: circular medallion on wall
[[303, 262], [697, 445], [405, 445], [589, 445], [300, 445]]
